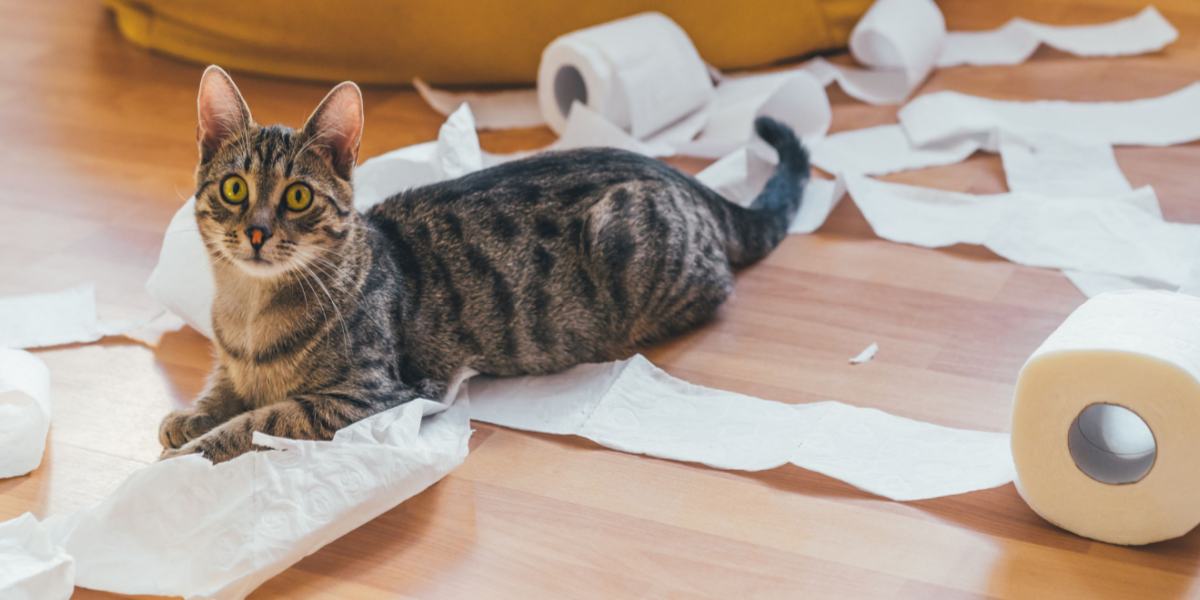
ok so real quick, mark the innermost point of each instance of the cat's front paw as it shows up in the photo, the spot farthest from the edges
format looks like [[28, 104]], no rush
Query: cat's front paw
[[211, 447], [181, 426]]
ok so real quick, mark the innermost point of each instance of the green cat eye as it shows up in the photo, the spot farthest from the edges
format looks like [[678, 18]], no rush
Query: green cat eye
[[297, 196], [234, 190]]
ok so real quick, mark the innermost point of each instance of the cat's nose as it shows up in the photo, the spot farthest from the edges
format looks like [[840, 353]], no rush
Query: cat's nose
[[258, 235]]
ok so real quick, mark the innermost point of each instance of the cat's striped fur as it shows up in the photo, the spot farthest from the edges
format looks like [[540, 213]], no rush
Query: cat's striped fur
[[528, 267]]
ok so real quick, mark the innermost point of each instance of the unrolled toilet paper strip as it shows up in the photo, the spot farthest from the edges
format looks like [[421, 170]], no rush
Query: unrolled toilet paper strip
[[1160, 121], [1051, 165], [1113, 235], [24, 411], [32, 565], [886, 149], [185, 527], [633, 406], [505, 109], [1015, 41], [1119, 477], [50, 319]]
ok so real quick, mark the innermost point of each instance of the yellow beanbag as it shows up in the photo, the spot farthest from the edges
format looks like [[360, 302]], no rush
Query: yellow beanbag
[[392, 41]]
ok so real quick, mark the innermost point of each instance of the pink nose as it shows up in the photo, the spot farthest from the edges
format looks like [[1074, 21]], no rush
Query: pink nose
[[258, 235]]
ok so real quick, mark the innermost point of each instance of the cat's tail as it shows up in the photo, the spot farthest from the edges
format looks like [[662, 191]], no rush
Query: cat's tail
[[758, 230]]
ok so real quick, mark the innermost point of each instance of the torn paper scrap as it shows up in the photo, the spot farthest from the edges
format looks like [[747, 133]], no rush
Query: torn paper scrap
[[186, 527], [1015, 41], [24, 411], [1113, 235], [641, 73], [506, 109], [633, 406], [1161, 121], [866, 355], [32, 565]]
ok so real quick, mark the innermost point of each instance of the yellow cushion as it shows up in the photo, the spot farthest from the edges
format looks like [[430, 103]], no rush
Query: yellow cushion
[[489, 41]]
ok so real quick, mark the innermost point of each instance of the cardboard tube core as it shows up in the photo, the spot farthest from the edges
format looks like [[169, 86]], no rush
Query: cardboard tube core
[[1112, 444], [569, 87]]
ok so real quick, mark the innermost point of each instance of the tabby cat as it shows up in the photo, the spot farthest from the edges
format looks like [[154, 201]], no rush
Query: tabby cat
[[324, 315]]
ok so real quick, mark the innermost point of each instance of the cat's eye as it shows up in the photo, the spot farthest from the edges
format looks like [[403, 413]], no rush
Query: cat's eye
[[234, 190], [297, 196]]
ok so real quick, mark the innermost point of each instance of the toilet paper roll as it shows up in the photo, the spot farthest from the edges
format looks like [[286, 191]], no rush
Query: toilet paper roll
[[1106, 417], [642, 73], [24, 411]]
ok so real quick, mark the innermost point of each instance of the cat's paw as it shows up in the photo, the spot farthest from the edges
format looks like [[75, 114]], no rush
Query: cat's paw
[[211, 447], [181, 426]]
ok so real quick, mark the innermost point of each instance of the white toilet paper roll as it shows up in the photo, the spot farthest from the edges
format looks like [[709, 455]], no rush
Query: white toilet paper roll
[[642, 73], [24, 411], [1104, 432]]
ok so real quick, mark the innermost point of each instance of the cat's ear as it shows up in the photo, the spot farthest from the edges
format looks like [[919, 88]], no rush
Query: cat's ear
[[222, 111], [336, 127]]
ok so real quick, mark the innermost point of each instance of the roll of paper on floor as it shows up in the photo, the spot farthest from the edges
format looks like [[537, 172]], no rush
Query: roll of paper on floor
[[1106, 419], [641, 73]]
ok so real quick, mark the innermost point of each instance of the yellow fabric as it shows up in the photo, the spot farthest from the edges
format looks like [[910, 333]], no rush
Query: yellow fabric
[[443, 41]]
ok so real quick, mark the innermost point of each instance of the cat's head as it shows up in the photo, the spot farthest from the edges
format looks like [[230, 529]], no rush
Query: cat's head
[[273, 200]]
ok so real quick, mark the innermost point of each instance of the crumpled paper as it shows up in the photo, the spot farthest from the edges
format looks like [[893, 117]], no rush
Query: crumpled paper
[[32, 565], [186, 527]]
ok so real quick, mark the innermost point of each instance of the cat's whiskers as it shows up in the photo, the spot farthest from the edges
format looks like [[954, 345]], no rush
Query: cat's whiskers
[[333, 304]]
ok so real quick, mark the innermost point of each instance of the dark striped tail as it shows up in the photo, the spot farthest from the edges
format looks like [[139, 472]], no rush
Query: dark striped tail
[[761, 228]]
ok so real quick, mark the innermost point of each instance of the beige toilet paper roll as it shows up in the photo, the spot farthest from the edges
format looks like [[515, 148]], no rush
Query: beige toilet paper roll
[[1106, 419]]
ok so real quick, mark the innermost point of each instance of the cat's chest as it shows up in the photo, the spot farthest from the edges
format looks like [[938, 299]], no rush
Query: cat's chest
[[259, 375]]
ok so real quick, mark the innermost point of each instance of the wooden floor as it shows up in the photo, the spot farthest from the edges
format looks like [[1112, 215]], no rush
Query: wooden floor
[[97, 151]]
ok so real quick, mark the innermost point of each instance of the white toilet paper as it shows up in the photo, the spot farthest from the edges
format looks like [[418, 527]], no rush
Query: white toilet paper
[[886, 149], [641, 73], [185, 527], [793, 97], [635, 407], [33, 566], [24, 411], [1162, 121], [1104, 419], [505, 109], [740, 176], [50, 319], [899, 40], [1114, 235], [1015, 41]]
